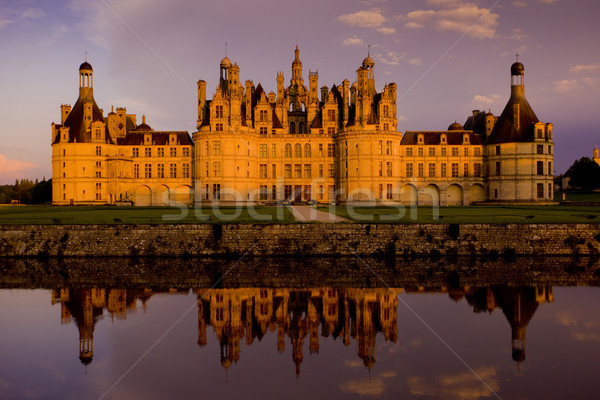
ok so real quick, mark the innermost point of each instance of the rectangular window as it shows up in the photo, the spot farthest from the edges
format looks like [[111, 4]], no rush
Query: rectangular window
[[420, 151], [477, 151], [297, 150], [388, 147], [173, 151], [549, 149], [219, 111], [160, 152], [539, 134], [420, 170], [186, 151], [540, 168], [477, 170], [409, 152], [288, 170], [381, 147], [389, 168], [497, 150], [288, 150], [216, 168], [297, 170], [263, 150], [443, 152], [98, 150], [173, 170], [307, 150], [320, 170], [320, 149], [219, 127], [432, 170], [455, 152], [216, 148], [136, 152], [331, 115], [148, 152], [274, 170], [273, 150], [455, 170], [148, 171], [263, 170], [320, 192], [287, 191], [330, 149], [263, 118], [331, 130], [388, 194], [409, 170], [98, 186], [549, 167], [136, 170], [443, 170], [216, 191], [466, 169], [380, 168], [263, 130], [550, 191], [307, 171], [466, 151], [186, 170], [540, 190], [98, 196], [432, 152], [98, 174], [498, 168], [331, 170], [206, 170], [160, 170], [540, 149], [263, 192]]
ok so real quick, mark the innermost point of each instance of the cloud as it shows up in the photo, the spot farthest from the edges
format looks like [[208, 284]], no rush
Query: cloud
[[393, 58], [520, 4], [485, 101], [565, 86], [586, 337], [364, 19], [584, 68], [353, 363], [12, 168], [364, 387], [353, 41], [590, 81], [386, 31], [33, 13], [465, 385], [4, 22], [547, 1], [460, 17], [518, 35]]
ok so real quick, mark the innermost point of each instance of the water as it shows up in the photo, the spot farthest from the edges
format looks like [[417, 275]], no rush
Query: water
[[154, 329]]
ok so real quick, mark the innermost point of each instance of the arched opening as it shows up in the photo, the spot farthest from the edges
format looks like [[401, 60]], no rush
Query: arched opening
[[142, 197], [302, 128], [292, 127], [430, 196], [408, 195], [297, 150], [476, 193], [307, 150], [183, 195], [162, 196], [454, 195]]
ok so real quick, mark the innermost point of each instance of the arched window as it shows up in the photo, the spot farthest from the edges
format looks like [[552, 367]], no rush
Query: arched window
[[307, 152], [297, 150], [302, 127], [288, 150], [292, 127]]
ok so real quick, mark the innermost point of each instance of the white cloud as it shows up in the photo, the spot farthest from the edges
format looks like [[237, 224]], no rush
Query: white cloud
[[518, 35], [584, 68], [565, 86], [402, 118], [460, 17], [12, 168], [480, 101], [590, 81], [364, 19], [34, 13], [353, 41], [386, 31], [393, 58]]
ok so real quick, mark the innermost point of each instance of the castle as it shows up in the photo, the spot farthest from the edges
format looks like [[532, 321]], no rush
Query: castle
[[301, 144]]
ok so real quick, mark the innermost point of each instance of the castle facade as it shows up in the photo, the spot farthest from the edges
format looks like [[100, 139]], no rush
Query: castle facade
[[301, 144]]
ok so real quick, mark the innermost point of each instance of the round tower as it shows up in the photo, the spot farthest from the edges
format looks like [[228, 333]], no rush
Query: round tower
[[86, 80]]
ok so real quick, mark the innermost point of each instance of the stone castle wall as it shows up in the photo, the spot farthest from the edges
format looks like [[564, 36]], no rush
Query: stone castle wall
[[235, 240]]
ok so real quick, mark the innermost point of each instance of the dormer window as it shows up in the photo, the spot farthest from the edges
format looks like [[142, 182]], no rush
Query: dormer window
[[147, 140], [443, 138], [172, 139], [420, 139]]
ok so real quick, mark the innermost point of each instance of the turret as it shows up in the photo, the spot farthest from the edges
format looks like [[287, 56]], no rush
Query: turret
[[65, 109], [313, 84], [201, 102], [86, 81], [280, 88], [297, 68]]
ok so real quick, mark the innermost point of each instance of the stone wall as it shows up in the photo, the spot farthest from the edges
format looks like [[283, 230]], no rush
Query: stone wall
[[432, 240]]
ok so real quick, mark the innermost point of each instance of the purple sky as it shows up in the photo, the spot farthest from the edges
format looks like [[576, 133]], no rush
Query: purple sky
[[447, 57]]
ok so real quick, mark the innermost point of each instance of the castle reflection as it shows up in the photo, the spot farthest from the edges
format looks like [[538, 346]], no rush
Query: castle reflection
[[297, 315]]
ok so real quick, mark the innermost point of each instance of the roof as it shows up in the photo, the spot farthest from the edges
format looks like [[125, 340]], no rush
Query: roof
[[505, 130], [158, 138], [74, 122], [86, 65], [432, 138]]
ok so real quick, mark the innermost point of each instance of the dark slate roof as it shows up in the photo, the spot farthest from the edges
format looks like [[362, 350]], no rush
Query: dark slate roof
[[505, 131], [476, 124], [206, 120], [86, 65], [74, 122], [276, 122], [431, 138], [317, 122], [158, 138]]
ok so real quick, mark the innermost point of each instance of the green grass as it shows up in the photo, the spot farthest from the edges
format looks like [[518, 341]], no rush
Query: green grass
[[48, 215], [471, 214], [577, 195]]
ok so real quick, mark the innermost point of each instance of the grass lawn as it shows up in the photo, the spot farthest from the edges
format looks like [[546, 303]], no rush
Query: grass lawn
[[48, 215], [471, 214], [577, 195]]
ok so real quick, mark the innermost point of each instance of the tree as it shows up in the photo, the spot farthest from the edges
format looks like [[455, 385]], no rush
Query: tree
[[584, 174]]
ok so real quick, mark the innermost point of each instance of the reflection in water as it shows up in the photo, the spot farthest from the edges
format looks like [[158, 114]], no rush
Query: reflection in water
[[298, 315]]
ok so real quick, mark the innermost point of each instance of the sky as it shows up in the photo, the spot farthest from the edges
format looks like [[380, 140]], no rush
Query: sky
[[447, 57]]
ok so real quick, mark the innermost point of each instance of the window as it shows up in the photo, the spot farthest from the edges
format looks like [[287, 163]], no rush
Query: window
[[273, 150], [219, 127], [388, 194], [186, 170], [320, 170], [409, 152], [98, 196], [540, 190], [98, 174], [386, 111], [288, 150], [320, 149], [219, 111], [455, 152], [550, 191], [389, 168], [549, 149], [307, 150], [381, 147], [216, 148], [331, 115], [216, 168], [307, 171], [186, 151], [331, 171], [444, 152], [477, 170], [263, 150], [386, 127], [330, 149], [331, 130], [539, 135], [98, 150], [292, 127], [497, 150], [297, 150], [455, 170], [206, 170], [288, 170], [420, 151], [173, 170], [136, 170], [148, 171], [380, 168], [135, 152], [274, 170], [263, 171], [466, 151], [549, 167], [160, 152], [216, 191], [287, 191], [297, 170], [388, 148], [263, 130], [420, 170], [540, 168], [477, 151], [263, 192], [97, 134], [432, 152], [148, 152], [443, 170], [173, 151], [98, 164], [160, 170], [409, 170], [498, 168], [540, 149], [432, 170], [262, 117], [466, 169]]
